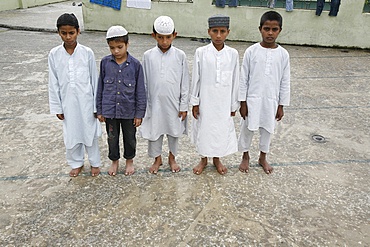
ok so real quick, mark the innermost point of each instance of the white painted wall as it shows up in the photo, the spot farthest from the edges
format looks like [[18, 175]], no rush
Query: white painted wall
[[351, 28], [22, 4]]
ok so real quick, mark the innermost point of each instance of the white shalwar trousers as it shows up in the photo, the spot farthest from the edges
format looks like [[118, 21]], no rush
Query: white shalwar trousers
[[76, 155], [246, 136], [155, 147]]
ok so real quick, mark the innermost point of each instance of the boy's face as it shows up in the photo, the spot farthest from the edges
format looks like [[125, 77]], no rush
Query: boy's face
[[218, 35], [69, 35], [270, 31], [118, 49], [164, 41]]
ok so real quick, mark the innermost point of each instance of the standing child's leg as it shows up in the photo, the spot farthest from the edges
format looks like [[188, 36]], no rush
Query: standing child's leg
[[113, 132], [113, 169], [262, 161], [265, 138], [93, 154], [219, 166], [129, 167], [129, 143], [244, 143], [173, 144], [244, 165], [172, 162], [75, 158], [155, 151], [156, 164], [200, 167]]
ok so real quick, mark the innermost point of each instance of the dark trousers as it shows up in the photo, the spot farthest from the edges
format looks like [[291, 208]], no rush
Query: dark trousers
[[113, 127], [232, 3], [334, 7]]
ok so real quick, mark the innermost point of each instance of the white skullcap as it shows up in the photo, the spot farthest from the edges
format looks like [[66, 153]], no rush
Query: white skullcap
[[116, 31], [164, 25]]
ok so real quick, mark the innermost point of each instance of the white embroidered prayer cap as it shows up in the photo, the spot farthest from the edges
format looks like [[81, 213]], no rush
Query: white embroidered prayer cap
[[164, 25], [116, 31]]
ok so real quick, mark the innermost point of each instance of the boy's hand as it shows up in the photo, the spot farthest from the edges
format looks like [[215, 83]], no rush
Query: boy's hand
[[137, 122], [195, 111], [279, 113], [101, 118], [243, 109], [60, 116], [183, 115], [233, 114]]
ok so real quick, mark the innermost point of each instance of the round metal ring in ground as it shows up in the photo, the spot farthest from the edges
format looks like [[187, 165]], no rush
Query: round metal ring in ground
[[318, 138]]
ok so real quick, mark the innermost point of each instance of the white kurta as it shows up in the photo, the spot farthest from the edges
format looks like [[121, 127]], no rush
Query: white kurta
[[215, 84], [72, 90], [264, 84], [167, 85]]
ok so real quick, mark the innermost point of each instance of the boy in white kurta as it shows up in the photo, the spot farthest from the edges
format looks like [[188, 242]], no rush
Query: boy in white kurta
[[167, 83], [73, 78], [214, 96], [264, 89]]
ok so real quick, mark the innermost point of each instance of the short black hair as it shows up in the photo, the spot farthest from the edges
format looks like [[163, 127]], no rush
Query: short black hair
[[155, 31], [271, 16], [67, 20], [123, 39]]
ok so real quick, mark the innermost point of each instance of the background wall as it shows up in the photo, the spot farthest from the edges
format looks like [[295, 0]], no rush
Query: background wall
[[9, 4], [302, 27], [21, 4]]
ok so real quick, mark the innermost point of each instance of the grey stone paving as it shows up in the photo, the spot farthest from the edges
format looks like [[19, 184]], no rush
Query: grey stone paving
[[318, 195]]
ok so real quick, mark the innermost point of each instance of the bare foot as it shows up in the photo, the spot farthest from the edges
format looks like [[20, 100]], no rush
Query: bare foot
[[265, 165], [155, 167], [74, 172], [173, 164], [219, 166], [129, 167], [200, 167], [95, 171], [244, 165], [113, 169]]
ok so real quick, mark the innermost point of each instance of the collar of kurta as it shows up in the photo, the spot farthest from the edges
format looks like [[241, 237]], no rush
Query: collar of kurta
[[159, 49], [214, 48], [128, 60]]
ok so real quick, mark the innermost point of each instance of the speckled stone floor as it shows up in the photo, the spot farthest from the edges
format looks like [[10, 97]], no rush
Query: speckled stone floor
[[318, 194]]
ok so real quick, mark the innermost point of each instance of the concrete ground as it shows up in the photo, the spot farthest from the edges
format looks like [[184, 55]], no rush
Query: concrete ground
[[318, 194]]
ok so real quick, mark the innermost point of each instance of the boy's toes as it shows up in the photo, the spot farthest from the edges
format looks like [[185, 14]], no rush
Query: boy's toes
[[174, 167], [154, 168], [243, 169], [75, 172], [111, 173], [129, 172], [95, 171], [267, 168]]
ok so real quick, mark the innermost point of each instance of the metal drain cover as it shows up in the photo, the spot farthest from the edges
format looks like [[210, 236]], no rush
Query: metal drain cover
[[318, 138]]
